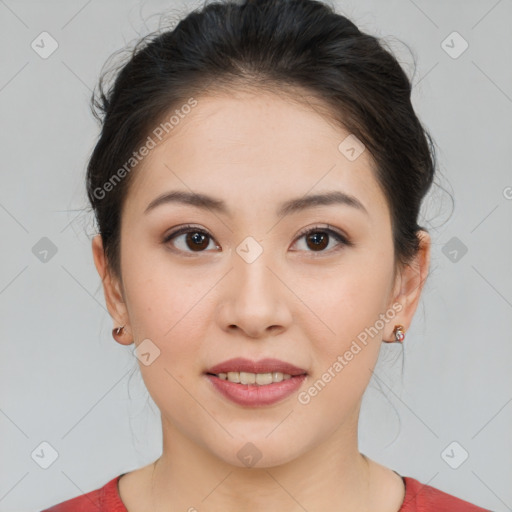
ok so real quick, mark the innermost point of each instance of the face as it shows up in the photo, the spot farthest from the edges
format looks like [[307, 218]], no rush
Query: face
[[247, 281]]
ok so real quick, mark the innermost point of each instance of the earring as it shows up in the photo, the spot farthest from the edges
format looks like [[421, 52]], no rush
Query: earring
[[398, 333], [117, 332]]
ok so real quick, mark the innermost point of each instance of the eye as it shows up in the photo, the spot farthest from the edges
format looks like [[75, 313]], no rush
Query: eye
[[318, 238], [197, 240]]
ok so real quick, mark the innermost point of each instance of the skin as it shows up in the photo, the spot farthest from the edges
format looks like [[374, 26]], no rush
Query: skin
[[294, 303]]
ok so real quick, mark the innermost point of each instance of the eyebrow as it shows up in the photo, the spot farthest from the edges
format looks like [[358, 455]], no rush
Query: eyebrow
[[291, 206]]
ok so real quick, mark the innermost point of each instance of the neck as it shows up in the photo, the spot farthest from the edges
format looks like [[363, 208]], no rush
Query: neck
[[333, 476]]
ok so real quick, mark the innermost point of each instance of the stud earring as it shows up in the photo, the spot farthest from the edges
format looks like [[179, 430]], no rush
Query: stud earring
[[398, 333], [117, 332]]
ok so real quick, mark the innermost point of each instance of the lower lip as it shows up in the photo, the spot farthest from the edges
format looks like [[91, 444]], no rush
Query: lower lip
[[253, 395]]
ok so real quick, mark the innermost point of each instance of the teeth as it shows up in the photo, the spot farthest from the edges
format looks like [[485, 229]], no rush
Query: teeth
[[261, 379]]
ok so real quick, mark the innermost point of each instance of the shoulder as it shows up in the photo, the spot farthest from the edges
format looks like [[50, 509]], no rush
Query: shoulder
[[103, 499], [424, 498]]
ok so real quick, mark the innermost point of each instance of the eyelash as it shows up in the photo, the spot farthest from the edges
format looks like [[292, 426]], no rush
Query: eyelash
[[343, 241]]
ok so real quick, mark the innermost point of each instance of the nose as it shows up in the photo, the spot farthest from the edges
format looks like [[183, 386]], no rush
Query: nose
[[255, 301]]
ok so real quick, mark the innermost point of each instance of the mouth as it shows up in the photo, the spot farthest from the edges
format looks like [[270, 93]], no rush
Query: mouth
[[265, 371], [256, 383]]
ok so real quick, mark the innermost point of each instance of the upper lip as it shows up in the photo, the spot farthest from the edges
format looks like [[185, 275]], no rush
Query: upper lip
[[268, 365]]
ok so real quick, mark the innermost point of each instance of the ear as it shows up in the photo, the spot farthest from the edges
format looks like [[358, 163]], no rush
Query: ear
[[409, 285], [112, 289]]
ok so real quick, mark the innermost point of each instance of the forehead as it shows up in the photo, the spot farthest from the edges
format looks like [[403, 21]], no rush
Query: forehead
[[249, 146]]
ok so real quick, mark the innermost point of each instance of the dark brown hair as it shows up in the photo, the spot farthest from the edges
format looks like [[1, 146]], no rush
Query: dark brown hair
[[279, 46]]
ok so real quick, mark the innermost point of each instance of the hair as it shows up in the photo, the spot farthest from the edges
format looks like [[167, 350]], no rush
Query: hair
[[278, 46]]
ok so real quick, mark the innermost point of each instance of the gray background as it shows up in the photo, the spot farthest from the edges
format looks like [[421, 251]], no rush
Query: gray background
[[65, 381]]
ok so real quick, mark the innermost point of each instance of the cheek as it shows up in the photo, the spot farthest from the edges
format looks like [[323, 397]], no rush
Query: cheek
[[344, 359], [169, 308], [163, 299], [352, 298], [350, 309]]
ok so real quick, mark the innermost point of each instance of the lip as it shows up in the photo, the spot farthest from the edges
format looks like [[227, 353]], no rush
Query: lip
[[253, 395], [268, 365]]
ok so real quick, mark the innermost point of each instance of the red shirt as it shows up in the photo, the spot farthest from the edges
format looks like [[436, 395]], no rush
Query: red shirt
[[418, 498]]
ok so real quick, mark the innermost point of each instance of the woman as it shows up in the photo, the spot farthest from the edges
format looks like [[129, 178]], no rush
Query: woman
[[257, 185]]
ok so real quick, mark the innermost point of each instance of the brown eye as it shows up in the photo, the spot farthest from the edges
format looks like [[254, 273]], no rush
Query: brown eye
[[193, 239], [197, 240], [318, 238]]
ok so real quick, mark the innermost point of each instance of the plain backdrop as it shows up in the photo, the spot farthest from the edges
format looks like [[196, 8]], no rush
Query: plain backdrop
[[66, 383]]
